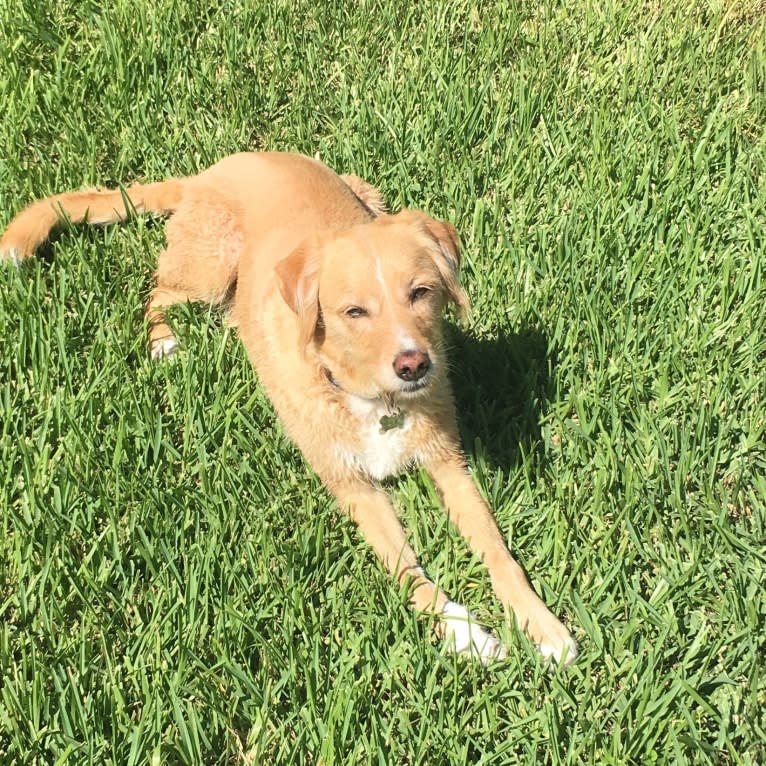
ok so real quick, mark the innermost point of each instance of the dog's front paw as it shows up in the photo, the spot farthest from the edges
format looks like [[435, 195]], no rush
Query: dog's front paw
[[553, 640], [465, 636], [10, 254], [164, 348]]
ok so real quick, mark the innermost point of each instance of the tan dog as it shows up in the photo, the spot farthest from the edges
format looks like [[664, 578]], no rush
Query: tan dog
[[340, 308]]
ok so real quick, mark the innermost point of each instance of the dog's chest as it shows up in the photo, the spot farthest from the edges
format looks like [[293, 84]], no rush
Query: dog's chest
[[381, 444]]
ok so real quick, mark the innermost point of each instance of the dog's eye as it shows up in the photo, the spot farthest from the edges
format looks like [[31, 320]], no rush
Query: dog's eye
[[354, 312], [419, 292]]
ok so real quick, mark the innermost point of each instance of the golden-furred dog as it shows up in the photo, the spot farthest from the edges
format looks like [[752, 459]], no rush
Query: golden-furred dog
[[340, 308]]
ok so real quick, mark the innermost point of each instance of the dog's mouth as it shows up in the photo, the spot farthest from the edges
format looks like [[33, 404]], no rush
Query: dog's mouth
[[406, 391], [410, 388]]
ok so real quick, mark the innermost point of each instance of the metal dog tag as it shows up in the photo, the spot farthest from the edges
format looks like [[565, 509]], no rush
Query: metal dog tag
[[394, 420]]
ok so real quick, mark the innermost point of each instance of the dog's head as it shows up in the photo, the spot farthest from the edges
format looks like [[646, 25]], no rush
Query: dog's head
[[370, 301]]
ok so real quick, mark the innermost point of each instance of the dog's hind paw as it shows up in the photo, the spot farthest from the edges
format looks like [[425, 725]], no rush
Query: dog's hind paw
[[465, 636]]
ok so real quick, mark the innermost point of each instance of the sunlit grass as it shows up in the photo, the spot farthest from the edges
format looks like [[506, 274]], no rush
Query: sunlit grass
[[175, 585]]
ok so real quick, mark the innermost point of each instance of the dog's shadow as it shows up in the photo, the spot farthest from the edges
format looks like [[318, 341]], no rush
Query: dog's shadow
[[500, 385]]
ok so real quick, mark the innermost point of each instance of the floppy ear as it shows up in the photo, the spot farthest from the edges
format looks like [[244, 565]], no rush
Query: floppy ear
[[298, 278], [447, 256]]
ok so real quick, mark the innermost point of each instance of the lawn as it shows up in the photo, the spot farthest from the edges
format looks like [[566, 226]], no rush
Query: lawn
[[176, 586]]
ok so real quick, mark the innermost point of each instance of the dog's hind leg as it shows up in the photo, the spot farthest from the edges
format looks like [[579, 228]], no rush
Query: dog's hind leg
[[199, 264], [162, 341]]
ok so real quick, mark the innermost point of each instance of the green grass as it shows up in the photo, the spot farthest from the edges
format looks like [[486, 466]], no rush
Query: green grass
[[176, 587]]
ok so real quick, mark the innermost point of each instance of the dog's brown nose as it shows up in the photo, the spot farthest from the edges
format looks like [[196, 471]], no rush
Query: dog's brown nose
[[411, 365]]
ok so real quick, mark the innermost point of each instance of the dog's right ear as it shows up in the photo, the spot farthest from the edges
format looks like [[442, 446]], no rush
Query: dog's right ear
[[298, 277]]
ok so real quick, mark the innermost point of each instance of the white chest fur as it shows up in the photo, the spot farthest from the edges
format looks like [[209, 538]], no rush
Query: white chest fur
[[379, 452]]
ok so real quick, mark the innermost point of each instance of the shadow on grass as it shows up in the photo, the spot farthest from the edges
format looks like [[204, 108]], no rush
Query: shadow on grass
[[500, 386]]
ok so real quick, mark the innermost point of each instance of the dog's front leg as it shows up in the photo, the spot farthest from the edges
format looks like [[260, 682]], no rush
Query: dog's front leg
[[372, 511], [468, 510]]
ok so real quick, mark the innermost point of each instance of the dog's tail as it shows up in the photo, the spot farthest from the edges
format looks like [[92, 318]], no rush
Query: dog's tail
[[34, 224]]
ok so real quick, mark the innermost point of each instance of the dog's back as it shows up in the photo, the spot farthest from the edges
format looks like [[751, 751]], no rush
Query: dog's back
[[273, 183]]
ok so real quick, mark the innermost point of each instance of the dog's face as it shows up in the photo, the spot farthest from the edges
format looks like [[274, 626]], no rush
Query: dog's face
[[370, 299]]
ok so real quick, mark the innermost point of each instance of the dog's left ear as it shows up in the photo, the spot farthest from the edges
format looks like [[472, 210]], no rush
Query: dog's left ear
[[298, 278], [446, 256]]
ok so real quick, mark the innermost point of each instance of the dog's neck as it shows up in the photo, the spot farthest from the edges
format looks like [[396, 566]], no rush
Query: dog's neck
[[394, 416]]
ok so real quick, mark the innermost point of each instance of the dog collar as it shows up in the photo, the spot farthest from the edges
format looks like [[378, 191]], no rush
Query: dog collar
[[334, 383], [393, 419]]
